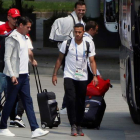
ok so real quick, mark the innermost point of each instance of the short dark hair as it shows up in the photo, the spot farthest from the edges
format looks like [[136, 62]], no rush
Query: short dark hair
[[79, 3], [79, 25], [23, 20], [90, 24]]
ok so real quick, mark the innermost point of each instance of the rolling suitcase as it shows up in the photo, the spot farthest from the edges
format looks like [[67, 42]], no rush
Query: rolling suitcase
[[94, 111], [48, 107]]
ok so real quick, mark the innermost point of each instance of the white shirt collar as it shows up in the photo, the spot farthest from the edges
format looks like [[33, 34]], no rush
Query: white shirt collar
[[88, 35]]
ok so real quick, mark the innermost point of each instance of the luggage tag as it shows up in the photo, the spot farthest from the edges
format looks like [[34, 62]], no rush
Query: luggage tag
[[79, 73]]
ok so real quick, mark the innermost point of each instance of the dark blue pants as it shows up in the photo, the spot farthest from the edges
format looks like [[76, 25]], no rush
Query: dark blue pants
[[23, 88]]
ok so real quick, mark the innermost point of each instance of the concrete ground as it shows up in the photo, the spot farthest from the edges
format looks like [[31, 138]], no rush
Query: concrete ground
[[116, 124]]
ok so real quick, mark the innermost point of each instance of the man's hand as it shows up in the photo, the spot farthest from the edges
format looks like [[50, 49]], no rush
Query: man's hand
[[34, 63], [95, 81], [14, 80], [54, 80]]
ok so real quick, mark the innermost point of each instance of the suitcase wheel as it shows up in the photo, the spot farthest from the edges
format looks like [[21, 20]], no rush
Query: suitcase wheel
[[43, 125], [50, 127]]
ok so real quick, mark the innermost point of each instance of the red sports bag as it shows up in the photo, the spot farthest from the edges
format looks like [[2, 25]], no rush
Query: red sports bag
[[100, 89]]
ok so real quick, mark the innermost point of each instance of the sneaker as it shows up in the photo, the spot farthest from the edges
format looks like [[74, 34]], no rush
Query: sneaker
[[38, 133], [79, 131], [19, 122], [12, 123], [6, 132], [63, 111], [73, 130]]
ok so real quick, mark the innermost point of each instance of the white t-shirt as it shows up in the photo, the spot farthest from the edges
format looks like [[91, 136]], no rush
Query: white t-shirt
[[23, 53], [70, 61]]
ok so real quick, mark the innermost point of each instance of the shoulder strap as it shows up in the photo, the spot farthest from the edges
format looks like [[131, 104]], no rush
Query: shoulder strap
[[87, 45], [73, 19], [67, 47]]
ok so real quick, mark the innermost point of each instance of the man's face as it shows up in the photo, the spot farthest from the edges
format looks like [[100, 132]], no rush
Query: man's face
[[80, 11], [94, 31], [78, 32], [25, 28], [12, 21]]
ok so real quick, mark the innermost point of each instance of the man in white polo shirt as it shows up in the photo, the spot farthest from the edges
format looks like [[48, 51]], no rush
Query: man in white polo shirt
[[75, 76]]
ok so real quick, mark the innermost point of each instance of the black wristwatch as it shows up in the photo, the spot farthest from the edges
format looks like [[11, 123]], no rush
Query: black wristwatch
[[94, 75]]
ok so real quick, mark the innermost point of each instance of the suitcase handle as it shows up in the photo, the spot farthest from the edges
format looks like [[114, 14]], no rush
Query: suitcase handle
[[37, 79]]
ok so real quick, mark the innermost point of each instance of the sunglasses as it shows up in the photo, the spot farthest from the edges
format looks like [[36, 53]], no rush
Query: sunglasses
[[14, 18]]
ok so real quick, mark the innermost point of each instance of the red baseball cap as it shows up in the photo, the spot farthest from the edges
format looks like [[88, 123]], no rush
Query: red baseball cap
[[13, 12]]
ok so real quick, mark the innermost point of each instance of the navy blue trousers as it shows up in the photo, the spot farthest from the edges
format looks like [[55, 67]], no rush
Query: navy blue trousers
[[23, 88]]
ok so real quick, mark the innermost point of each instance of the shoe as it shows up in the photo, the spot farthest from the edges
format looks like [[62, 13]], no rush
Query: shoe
[[63, 111], [73, 130], [38, 133], [19, 122], [6, 132], [12, 124], [79, 131]]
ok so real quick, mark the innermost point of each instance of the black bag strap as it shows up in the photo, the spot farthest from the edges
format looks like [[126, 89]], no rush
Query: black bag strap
[[67, 47], [73, 19], [37, 79], [87, 45]]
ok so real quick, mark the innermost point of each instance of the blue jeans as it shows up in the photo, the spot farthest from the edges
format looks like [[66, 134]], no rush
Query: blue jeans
[[23, 88], [3, 84]]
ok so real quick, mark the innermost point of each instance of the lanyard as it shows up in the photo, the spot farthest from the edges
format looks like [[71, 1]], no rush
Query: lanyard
[[83, 60]]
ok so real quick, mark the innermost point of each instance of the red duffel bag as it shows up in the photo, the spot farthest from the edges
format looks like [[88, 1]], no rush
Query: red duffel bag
[[100, 89]]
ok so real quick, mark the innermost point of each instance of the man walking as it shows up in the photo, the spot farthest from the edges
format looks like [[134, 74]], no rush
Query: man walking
[[75, 76], [63, 30], [91, 29], [16, 71], [6, 29]]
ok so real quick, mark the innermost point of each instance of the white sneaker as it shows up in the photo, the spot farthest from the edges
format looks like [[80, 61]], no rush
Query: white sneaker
[[63, 111], [38, 133], [6, 132]]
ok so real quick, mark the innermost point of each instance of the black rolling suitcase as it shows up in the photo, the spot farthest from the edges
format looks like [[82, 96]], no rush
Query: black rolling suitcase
[[49, 112], [94, 111]]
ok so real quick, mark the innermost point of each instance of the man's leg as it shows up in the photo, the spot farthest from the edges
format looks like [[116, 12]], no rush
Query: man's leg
[[69, 86], [81, 87], [27, 102], [19, 113], [12, 91]]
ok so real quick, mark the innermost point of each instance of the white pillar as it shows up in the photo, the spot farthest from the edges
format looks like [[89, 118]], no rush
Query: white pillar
[[93, 8]]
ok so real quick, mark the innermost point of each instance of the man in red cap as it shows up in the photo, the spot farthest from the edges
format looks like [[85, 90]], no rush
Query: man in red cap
[[12, 16], [6, 29]]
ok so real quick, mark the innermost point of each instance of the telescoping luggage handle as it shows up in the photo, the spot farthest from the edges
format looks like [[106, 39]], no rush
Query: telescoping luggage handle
[[37, 79]]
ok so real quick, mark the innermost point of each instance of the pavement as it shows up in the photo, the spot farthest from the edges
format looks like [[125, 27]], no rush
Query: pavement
[[116, 123]]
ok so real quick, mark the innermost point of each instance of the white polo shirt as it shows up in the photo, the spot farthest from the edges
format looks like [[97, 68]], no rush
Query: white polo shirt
[[25, 44], [70, 61]]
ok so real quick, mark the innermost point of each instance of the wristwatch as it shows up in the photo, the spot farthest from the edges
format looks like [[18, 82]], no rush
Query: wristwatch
[[94, 75]]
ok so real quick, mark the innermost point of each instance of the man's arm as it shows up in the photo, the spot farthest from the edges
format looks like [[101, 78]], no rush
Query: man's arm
[[57, 66], [31, 58], [8, 53], [94, 70]]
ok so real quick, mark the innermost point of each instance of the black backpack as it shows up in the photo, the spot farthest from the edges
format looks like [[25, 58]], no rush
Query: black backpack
[[2, 51], [66, 52]]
